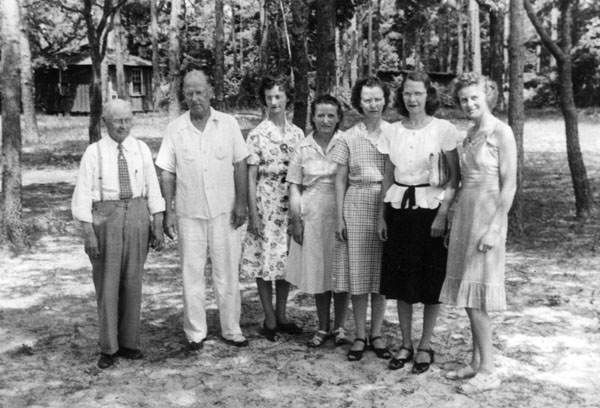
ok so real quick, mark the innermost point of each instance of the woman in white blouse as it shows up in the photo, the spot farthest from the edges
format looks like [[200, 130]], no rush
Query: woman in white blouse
[[413, 214]]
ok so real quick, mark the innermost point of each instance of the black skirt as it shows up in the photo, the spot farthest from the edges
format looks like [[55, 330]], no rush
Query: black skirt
[[413, 263]]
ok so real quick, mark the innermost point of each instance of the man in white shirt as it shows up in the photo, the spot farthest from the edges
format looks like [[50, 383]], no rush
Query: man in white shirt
[[116, 193], [203, 162]]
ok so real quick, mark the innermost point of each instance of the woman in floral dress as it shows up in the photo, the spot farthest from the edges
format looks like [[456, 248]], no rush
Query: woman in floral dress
[[266, 244], [475, 271]]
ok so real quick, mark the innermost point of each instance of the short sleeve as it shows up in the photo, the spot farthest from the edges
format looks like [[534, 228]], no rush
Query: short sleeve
[[451, 137], [166, 159], [295, 173], [383, 143], [341, 152], [240, 150], [253, 148]]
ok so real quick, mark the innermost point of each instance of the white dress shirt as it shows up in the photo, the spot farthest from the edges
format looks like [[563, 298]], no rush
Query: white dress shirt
[[142, 175]]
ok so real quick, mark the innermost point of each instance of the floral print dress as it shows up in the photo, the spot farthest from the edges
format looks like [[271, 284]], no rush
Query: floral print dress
[[270, 150]]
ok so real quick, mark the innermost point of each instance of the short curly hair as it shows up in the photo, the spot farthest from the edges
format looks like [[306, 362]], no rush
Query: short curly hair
[[270, 82], [369, 82], [326, 100], [432, 103], [489, 86]]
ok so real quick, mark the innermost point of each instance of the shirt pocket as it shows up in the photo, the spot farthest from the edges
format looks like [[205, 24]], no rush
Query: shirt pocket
[[220, 150]]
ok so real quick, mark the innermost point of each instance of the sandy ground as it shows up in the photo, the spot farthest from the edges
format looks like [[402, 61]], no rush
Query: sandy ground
[[547, 343]]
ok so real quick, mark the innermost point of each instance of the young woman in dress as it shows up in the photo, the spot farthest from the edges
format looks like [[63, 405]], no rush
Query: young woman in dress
[[265, 248], [413, 214], [358, 184], [475, 273], [311, 175]]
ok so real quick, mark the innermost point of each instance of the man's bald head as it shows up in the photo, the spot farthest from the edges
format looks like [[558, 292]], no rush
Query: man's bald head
[[118, 116]]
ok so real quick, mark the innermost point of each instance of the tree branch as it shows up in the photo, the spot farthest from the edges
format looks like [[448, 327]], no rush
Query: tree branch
[[554, 49]]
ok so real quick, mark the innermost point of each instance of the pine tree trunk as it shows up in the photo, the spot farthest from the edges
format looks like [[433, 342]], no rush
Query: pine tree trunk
[[516, 111], [299, 37], [264, 35], [30, 128], [219, 74], [121, 84], [584, 204], [11, 226], [325, 54], [156, 91], [475, 36], [174, 65], [94, 128], [460, 59], [497, 50]]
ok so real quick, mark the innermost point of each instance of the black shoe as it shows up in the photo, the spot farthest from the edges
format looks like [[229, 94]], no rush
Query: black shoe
[[197, 346], [419, 368], [240, 343], [269, 334], [289, 328], [106, 360], [130, 354], [397, 363], [381, 352], [357, 355]]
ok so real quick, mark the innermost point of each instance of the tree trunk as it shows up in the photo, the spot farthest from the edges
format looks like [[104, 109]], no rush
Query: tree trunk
[[497, 50], [584, 204], [264, 35], [11, 226], [30, 128], [122, 91], [475, 36], [156, 90], [460, 59], [325, 54], [174, 64], [377, 36], [360, 49], [219, 74], [106, 82], [234, 45], [516, 113], [94, 128], [299, 38], [370, 41], [353, 35]]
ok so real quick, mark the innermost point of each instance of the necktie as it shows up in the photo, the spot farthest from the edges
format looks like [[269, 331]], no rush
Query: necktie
[[124, 182]]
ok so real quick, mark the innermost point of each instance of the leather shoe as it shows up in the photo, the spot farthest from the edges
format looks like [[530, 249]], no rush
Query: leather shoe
[[269, 334], [289, 328], [357, 355], [106, 360], [130, 354], [397, 363], [419, 368], [197, 346], [237, 343]]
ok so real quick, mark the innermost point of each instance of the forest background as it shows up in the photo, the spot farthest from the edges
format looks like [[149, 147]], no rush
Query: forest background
[[546, 55]]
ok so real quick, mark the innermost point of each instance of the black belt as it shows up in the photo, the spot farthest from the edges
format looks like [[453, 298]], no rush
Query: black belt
[[409, 194]]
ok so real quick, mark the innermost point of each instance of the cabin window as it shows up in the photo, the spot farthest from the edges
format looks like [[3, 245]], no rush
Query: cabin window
[[137, 86]]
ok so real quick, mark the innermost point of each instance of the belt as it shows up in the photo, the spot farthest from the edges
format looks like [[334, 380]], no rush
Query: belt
[[409, 194]]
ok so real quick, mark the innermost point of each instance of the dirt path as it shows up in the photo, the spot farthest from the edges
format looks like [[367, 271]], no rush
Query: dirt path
[[548, 343]]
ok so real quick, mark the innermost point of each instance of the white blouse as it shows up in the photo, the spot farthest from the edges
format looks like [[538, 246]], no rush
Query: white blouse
[[409, 151]]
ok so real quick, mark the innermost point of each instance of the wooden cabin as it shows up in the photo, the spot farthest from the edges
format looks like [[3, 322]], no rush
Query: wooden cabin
[[67, 91]]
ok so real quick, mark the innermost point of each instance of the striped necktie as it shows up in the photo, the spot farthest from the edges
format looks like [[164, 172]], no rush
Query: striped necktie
[[124, 182]]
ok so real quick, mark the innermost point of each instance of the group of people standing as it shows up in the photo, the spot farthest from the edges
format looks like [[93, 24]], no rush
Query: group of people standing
[[351, 216]]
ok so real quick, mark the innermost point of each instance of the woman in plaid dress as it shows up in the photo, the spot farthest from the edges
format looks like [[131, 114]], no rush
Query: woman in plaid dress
[[357, 265]]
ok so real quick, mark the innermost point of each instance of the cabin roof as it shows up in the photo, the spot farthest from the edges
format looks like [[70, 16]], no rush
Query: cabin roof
[[129, 60]]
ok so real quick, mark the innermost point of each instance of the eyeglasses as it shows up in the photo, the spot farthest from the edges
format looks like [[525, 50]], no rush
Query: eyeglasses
[[123, 121]]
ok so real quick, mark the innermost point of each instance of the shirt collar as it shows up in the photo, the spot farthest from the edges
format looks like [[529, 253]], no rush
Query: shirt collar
[[213, 117], [309, 141], [127, 142]]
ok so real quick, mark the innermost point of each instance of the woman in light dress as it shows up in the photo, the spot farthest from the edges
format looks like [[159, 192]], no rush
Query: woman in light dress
[[358, 185], [265, 247], [311, 175], [475, 272], [413, 214]]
